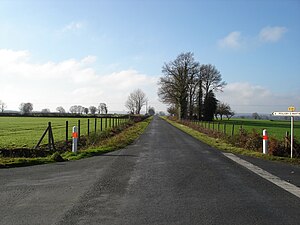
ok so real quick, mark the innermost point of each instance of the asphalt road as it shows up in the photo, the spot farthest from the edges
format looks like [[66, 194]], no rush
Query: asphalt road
[[166, 177]]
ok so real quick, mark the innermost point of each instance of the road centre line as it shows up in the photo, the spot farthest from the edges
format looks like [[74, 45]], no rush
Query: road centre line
[[266, 175]]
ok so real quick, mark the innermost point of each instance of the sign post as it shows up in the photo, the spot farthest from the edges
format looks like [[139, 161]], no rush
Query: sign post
[[292, 135], [291, 112]]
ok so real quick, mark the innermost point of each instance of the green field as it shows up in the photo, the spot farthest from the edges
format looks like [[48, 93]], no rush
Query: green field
[[18, 132], [276, 128]]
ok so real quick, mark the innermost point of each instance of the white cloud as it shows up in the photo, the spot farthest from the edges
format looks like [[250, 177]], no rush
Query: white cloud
[[249, 98], [272, 34], [235, 40], [73, 26], [69, 82], [8, 56], [232, 40]]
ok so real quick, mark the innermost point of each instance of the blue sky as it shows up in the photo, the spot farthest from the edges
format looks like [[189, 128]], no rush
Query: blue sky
[[86, 52]]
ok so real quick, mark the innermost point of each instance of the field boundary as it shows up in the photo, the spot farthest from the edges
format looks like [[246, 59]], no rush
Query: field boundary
[[222, 145], [25, 132], [115, 140]]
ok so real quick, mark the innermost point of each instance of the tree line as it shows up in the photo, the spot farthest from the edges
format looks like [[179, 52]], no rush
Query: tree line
[[189, 89], [27, 108], [135, 101]]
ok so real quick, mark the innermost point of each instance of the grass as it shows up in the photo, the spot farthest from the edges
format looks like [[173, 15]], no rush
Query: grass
[[275, 128], [223, 146], [120, 140], [25, 132]]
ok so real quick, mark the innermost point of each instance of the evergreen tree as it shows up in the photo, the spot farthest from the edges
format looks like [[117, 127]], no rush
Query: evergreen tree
[[210, 106]]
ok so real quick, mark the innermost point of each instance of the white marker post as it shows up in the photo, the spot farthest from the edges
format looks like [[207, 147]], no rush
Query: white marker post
[[291, 112], [74, 137], [265, 141]]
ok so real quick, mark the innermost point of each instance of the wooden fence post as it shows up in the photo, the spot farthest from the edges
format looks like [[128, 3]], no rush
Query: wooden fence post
[[95, 125], [88, 127], [50, 137], [78, 130], [101, 128], [67, 131], [232, 130]]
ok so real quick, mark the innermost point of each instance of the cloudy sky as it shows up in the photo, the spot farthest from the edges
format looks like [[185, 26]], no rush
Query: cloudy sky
[[62, 52]]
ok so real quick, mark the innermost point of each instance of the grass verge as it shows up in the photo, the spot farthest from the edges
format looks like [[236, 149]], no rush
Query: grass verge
[[223, 146], [118, 141]]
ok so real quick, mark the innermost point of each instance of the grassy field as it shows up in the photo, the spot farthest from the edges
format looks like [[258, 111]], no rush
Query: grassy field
[[225, 146], [276, 128], [18, 132], [117, 141]]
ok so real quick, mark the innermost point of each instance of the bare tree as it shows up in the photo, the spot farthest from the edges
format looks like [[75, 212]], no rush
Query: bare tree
[[73, 109], [26, 108], [136, 100], [130, 105], [77, 109], [60, 109], [93, 109], [230, 114], [211, 79], [223, 109], [179, 84], [102, 108], [80, 109], [2, 106]]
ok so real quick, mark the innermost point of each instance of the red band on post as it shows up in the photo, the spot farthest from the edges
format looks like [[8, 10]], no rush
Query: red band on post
[[75, 135], [265, 137]]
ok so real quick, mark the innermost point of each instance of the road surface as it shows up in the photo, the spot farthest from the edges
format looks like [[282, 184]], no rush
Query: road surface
[[165, 177]]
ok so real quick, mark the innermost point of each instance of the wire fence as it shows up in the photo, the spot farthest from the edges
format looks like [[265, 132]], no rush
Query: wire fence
[[25, 132]]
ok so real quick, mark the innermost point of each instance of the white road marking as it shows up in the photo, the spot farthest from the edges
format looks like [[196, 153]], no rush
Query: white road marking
[[266, 175]]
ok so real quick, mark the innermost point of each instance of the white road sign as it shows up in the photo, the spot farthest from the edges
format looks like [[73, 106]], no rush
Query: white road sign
[[286, 113], [291, 113]]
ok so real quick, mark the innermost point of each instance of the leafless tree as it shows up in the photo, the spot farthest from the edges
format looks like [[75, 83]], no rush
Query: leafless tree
[[211, 79], [136, 100], [60, 109], [179, 84], [26, 108], [102, 108], [224, 109], [130, 105], [81, 109], [77, 109], [2, 106], [93, 110], [73, 109]]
